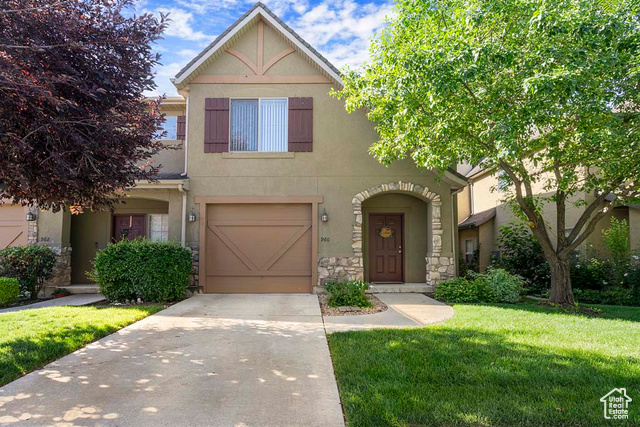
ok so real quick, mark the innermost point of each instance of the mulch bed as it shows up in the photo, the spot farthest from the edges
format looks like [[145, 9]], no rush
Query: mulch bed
[[378, 306], [23, 302], [105, 303]]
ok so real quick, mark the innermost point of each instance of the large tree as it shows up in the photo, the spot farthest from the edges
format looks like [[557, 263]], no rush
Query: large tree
[[547, 91], [74, 127]]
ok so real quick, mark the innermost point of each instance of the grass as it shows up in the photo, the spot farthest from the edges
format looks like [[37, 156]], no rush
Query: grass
[[491, 365], [30, 339]]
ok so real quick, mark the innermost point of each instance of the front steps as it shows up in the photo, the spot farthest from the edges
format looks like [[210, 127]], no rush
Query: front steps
[[421, 288], [88, 288]]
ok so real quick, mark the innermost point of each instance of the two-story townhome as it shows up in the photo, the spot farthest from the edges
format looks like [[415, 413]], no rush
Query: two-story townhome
[[272, 186], [482, 210]]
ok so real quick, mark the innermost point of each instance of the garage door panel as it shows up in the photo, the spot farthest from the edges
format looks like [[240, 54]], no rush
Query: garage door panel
[[297, 255], [13, 226], [224, 258], [258, 248]]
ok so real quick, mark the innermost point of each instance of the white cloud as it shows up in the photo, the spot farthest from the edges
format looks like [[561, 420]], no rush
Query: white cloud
[[180, 24], [163, 77], [342, 30]]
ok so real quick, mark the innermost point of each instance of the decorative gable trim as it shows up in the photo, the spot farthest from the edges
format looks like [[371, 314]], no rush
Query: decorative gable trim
[[258, 11]]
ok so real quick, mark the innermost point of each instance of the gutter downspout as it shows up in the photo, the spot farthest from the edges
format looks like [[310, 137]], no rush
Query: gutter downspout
[[454, 230], [183, 229]]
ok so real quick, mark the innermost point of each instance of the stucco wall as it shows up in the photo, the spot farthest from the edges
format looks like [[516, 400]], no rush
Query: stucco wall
[[91, 231], [634, 229], [338, 168], [415, 231]]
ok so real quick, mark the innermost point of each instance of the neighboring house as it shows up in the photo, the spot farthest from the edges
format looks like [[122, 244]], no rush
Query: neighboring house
[[482, 211], [272, 186]]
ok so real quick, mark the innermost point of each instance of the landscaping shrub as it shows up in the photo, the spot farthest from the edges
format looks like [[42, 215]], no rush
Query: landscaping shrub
[[151, 271], [351, 294], [31, 265], [613, 296], [497, 285], [616, 239], [9, 290], [461, 290], [591, 273], [503, 286], [521, 254]]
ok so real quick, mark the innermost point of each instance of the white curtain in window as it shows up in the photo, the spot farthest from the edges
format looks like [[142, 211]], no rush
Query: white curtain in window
[[244, 125], [158, 227], [273, 125]]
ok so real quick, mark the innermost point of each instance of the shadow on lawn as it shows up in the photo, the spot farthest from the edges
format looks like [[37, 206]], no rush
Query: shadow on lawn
[[446, 376], [619, 312], [23, 355]]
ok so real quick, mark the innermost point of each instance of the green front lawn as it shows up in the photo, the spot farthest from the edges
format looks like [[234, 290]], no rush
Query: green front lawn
[[30, 339], [491, 365]]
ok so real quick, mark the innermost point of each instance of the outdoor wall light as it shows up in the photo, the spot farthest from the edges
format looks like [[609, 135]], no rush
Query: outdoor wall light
[[31, 216], [192, 216], [324, 217]]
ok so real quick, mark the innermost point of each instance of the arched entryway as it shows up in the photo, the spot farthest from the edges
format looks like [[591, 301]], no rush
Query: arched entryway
[[395, 238], [437, 267]]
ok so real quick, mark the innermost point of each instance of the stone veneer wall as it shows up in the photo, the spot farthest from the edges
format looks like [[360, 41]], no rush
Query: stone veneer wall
[[61, 271], [340, 269], [195, 265], [439, 267]]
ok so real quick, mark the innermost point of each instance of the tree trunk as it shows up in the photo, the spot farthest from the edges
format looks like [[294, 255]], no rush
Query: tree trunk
[[561, 292]]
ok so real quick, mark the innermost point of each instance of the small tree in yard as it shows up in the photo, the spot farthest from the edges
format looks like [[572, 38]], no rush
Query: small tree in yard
[[546, 91], [73, 125]]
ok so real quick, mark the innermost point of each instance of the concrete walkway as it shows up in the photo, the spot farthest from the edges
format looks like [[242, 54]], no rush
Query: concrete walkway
[[81, 299], [406, 310], [212, 360]]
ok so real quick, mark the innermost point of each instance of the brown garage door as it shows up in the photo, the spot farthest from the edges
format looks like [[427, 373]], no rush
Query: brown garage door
[[13, 226], [258, 248]]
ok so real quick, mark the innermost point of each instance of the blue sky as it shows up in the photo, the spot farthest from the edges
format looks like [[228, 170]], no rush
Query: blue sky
[[339, 29]]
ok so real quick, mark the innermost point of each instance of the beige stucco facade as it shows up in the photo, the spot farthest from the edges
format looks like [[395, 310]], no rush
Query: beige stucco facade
[[260, 61], [482, 193]]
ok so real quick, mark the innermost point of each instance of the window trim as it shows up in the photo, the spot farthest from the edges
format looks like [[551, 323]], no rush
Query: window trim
[[163, 128], [259, 99]]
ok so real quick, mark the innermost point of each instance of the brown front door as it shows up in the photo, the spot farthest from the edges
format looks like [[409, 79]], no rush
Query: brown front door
[[385, 248], [258, 248], [129, 226]]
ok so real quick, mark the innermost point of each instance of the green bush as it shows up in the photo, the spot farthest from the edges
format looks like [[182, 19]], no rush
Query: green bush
[[152, 271], [591, 273], [503, 286], [616, 239], [9, 290], [31, 265], [613, 296], [351, 294], [521, 254], [461, 290]]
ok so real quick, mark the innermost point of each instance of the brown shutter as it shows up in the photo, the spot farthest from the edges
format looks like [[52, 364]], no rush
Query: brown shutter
[[216, 125], [182, 128], [300, 124]]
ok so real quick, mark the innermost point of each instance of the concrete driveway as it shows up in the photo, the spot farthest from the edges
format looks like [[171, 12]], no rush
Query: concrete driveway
[[212, 360]]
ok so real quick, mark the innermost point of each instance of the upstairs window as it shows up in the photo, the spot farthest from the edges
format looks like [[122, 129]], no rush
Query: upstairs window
[[259, 124], [170, 126]]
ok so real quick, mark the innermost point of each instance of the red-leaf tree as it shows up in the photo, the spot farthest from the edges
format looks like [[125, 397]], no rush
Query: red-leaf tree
[[74, 126]]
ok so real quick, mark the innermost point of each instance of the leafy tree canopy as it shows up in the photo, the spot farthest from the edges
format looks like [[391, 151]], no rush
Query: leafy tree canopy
[[73, 125], [546, 90]]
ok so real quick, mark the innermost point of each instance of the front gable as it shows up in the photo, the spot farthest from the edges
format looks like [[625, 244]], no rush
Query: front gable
[[258, 48], [260, 51]]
